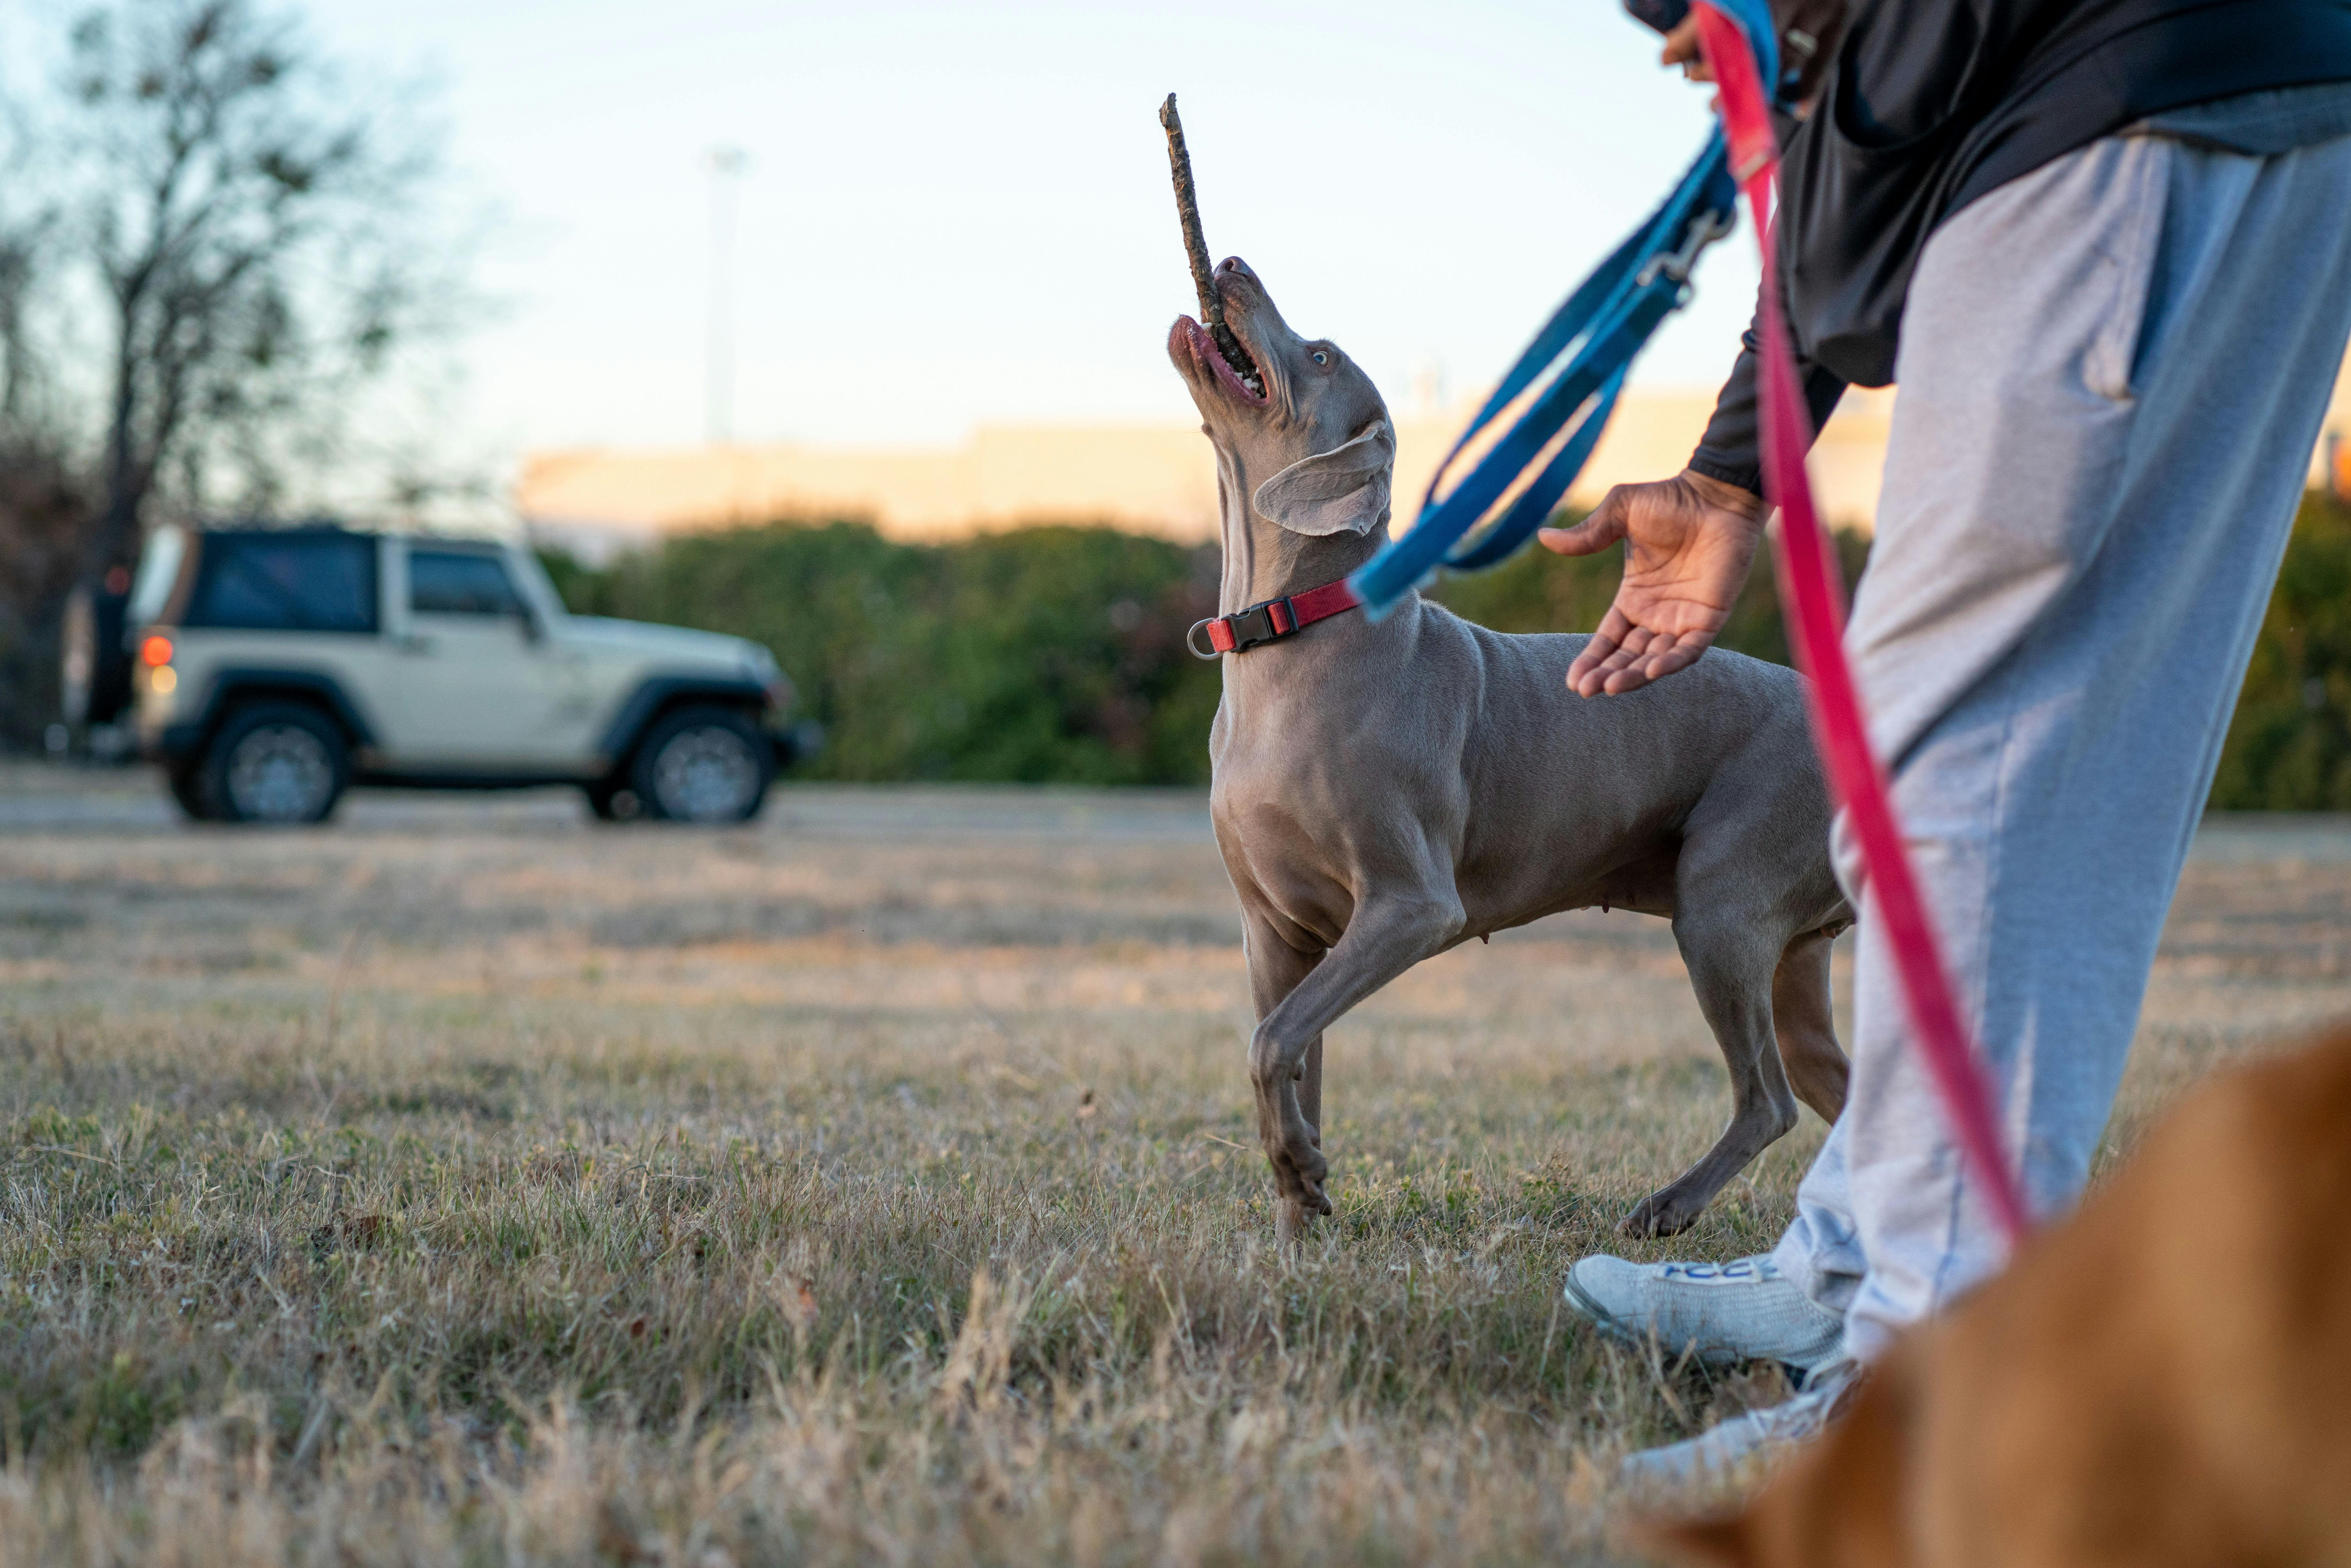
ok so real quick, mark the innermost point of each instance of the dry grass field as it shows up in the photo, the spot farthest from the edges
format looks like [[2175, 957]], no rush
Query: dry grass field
[[464, 1183]]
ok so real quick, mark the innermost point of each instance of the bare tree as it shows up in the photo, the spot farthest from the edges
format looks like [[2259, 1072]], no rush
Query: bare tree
[[245, 226], [43, 513], [27, 235], [19, 253], [210, 241]]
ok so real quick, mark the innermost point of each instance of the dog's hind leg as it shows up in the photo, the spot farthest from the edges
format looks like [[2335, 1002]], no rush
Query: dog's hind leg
[[1805, 1023], [1731, 973], [1383, 939]]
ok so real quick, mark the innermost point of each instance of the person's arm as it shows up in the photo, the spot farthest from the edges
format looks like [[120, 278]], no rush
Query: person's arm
[[1689, 541], [1732, 448]]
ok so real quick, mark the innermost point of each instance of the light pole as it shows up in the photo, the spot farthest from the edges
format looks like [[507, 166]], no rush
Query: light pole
[[719, 393]]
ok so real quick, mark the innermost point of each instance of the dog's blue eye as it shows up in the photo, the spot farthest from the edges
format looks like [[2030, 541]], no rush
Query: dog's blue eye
[[1321, 358]]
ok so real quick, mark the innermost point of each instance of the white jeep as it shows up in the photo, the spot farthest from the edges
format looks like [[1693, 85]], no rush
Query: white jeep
[[271, 668]]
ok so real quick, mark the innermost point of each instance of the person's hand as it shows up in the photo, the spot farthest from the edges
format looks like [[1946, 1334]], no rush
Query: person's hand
[[1681, 49], [1688, 542]]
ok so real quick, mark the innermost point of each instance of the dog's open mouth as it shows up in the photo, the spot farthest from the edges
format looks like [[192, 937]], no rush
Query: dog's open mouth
[[1222, 356]]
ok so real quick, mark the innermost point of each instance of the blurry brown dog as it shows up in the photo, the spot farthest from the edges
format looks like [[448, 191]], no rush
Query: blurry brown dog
[[2163, 1379]]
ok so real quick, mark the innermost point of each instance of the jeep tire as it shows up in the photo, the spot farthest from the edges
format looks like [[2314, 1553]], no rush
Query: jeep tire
[[278, 763], [703, 764], [187, 782]]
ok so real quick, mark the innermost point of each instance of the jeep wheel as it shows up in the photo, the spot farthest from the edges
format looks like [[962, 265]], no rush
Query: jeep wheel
[[703, 765], [187, 782], [276, 762]]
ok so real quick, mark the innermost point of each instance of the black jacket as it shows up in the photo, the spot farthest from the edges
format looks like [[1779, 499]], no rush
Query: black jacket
[[1931, 103]]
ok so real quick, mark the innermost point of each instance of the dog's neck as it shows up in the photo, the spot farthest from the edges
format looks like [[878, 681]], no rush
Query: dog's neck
[[1264, 560]]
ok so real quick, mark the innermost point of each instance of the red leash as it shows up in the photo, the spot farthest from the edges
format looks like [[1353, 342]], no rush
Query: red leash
[[1810, 585]]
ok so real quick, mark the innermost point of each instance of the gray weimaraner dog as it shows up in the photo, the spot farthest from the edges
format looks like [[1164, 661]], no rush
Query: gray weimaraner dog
[[1386, 789]]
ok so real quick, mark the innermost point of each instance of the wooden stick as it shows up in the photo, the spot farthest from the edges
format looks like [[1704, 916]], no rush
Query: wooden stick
[[1196, 248]]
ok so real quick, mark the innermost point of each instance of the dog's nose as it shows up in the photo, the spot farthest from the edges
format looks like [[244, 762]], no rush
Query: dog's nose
[[1235, 263]]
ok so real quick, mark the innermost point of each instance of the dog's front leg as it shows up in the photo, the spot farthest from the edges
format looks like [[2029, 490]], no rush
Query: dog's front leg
[[1383, 939], [1275, 969]]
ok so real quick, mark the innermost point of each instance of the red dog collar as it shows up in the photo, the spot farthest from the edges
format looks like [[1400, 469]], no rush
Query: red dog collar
[[1271, 620]]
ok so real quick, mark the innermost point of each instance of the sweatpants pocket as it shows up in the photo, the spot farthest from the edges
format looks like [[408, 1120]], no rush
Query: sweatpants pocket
[[2127, 247]]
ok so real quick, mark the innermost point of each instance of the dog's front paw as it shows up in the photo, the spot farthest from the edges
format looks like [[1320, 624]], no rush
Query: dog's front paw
[[1302, 1202], [1293, 1148], [1298, 1173], [1293, 1222], [1308, 1170]]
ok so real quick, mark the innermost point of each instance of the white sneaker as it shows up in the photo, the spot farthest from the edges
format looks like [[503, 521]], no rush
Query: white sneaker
[[1728, 1445], [1722, 1312]]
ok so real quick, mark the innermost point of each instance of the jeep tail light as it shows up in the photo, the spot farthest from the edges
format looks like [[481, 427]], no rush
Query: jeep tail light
[[155, 652]]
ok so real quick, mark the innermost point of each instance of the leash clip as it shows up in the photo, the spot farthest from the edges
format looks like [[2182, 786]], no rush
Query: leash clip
[[1252, 627], [1705, 229], [1258, 625]]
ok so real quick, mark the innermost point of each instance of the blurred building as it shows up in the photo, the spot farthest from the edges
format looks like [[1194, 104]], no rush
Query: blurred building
[[1153, 478]]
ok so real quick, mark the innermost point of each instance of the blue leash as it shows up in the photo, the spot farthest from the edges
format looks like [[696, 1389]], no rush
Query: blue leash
[[1597, 331]]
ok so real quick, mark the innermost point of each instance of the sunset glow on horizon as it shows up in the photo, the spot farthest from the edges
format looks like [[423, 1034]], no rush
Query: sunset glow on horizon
[[949, 215]]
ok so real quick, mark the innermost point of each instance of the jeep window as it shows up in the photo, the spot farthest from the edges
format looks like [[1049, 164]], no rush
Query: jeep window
[[285, 582], [459, 583]]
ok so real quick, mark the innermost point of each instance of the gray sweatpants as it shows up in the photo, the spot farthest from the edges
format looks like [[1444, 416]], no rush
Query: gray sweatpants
[[2112, 374]]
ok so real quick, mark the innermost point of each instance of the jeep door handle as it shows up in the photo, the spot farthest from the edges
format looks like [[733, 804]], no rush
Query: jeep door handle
[[415, 643]]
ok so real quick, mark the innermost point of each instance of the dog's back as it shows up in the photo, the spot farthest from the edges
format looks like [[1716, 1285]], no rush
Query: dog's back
[[2164, 1379], [1725, 741]]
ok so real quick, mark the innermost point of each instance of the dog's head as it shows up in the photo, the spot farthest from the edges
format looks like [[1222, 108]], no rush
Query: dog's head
[[1312, 438]]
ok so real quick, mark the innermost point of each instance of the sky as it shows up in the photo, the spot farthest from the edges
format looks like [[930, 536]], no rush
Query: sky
[[951, 216]]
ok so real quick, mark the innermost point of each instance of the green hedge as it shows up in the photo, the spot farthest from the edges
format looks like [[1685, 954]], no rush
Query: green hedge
[[2289, 746], [1055, 655], [1045, 654]]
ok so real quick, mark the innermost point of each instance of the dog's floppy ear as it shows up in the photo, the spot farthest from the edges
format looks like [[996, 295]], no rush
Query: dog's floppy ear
[[1344, 490]]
